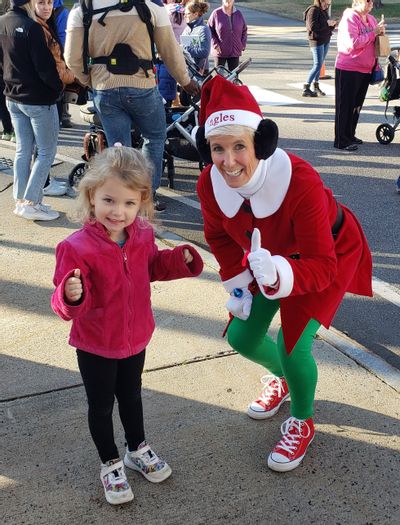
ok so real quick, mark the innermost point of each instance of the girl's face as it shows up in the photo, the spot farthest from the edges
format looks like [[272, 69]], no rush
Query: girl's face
[[234, 157], [115, 206], [43, 8], [189, 17]]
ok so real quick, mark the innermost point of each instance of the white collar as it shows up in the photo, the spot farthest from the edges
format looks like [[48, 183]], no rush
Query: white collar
[[267, 199]]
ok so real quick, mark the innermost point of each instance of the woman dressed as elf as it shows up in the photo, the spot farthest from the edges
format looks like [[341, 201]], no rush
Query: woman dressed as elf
[[282, 242]]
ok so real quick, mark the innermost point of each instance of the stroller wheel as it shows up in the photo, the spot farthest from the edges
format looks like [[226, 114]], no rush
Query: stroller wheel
[[384, 133], [76, 174]]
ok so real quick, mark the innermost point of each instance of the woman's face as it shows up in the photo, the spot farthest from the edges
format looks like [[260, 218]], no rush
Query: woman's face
[[235, 158], [43, 8], [325, 4], [228, 3], [189, 16], [365, 6]]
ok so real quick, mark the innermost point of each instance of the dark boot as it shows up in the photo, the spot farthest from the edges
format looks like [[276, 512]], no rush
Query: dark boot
[[307, 91], [317, 90]]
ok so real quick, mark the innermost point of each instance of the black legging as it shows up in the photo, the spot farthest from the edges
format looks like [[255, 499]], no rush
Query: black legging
[[233, 62], [4, 114], [350, 90], [105, 379]]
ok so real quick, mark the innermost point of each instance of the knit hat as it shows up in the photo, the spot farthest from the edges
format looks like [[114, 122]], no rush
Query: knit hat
[[19, 3], [225, 104]]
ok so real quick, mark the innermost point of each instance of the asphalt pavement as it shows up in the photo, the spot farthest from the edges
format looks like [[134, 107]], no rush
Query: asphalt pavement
[[195, 393]]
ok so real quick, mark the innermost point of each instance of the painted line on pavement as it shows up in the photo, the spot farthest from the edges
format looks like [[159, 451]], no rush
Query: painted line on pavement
[[265, 97]]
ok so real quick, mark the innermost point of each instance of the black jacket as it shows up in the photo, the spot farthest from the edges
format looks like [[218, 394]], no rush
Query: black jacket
[[318, 30], [26, 64]]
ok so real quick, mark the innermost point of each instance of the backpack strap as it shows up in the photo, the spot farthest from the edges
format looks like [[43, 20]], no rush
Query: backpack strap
[[87, 12]]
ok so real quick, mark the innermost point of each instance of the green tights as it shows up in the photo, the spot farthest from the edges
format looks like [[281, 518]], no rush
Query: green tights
[[250, 339]]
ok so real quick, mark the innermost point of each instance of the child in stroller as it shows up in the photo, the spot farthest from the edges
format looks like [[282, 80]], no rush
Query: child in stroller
[[180, 122]]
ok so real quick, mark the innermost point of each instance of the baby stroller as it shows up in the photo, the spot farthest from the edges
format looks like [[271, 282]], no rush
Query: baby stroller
[[180, 122], [390, 90]]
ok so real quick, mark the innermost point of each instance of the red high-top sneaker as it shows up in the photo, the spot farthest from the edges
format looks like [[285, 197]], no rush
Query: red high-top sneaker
[[272, 396], [291, 449]]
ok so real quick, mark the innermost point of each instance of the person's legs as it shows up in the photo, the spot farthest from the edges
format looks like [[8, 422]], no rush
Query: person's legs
[[99, 378], [129, 396], [317, 55], [220, 61], [146, 108], [300, 371], [5, 115], [233, 63], [23, 149], [345, 96], [362, 85], [44, 122], [116, 121], [249, 338]]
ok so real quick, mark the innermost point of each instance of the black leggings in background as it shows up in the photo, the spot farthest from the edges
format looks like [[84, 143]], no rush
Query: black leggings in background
[[4, 114], [105, 379], [233, 62]]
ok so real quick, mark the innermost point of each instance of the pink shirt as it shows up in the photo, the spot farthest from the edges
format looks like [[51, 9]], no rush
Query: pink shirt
[[356, 42]]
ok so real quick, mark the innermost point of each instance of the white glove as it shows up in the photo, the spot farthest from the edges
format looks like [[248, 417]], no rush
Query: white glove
[[240, 306], [261, 262]]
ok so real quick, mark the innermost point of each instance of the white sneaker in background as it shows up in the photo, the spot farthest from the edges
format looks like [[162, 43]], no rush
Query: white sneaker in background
[[38, 212], [55, 188], [18, 208]]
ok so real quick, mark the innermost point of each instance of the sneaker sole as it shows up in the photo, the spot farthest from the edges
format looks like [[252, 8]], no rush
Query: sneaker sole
[[286, 467], [115, 498], [265, 414], [34, 218], [163, 475]]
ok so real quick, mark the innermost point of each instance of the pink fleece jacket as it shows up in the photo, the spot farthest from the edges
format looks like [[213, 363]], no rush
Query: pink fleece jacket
[[356, 42], [114, 317]]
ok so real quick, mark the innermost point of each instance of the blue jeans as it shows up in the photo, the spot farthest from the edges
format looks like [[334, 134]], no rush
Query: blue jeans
[[33, 125], [318, 53], [121, 108]]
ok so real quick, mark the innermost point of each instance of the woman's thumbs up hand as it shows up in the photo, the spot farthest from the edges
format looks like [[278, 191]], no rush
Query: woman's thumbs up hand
[[73, 289], [261, 262]]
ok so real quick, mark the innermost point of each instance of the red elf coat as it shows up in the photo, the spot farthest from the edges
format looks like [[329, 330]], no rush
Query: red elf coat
[[295, 213]]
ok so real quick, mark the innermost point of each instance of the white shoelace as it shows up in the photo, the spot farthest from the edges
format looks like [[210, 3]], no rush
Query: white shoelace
[[269, 391], [290, 441]]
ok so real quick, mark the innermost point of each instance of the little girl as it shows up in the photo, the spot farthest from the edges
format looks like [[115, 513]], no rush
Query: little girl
[[102, 278]]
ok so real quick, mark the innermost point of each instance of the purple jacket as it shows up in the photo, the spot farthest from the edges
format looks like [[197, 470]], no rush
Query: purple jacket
[[228, 33]]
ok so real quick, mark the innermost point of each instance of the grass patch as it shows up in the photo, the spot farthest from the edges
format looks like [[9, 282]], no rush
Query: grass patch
[[294, 8]]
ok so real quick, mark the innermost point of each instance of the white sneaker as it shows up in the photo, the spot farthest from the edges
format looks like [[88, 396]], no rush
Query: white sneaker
[[116, 487], [55, 188], [18, 208], [146, 461], [38, 212]]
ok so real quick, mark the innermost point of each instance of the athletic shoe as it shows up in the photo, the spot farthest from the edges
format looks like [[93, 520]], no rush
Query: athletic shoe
[[116, 487], [146, 461], [272, 396], [356, 140], [18, 208], [55, 188], [6, 136], [291, 449], [38, 212], [158, 205]]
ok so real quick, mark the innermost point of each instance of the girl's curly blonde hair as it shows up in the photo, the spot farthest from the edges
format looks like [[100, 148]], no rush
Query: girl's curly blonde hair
[[127, 164]]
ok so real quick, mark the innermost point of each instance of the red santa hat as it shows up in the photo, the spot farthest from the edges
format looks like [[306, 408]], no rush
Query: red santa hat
[[225, 104]]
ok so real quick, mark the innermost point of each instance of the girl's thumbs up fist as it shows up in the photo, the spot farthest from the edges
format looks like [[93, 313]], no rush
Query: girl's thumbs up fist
[[73, 289], [261, 262]]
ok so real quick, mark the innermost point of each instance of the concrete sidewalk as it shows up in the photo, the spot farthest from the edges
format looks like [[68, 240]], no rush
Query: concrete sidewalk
[[195, 397]]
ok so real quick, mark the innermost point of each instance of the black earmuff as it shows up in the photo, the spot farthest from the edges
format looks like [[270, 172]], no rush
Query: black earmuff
[[203, 146], [266, 138]]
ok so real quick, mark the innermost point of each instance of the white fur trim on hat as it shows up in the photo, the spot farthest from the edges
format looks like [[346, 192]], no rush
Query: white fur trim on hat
[[230, 117]]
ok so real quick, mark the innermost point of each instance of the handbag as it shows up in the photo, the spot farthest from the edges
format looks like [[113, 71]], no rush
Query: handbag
[[75, 93], [377, 75], [382, 46]]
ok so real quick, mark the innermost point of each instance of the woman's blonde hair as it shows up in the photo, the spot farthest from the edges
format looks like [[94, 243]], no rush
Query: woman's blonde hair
[[30, 9], [128, 165], [236, 130]]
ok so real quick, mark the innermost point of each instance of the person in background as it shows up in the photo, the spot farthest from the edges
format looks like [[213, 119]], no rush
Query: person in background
[[102, 279], [176, 12], [123, 99], [45, 17], [355, 61], [60, 14], [199, 44], [32, 88], [319, 32], [282, 242], [228, 34], [5, 117]]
